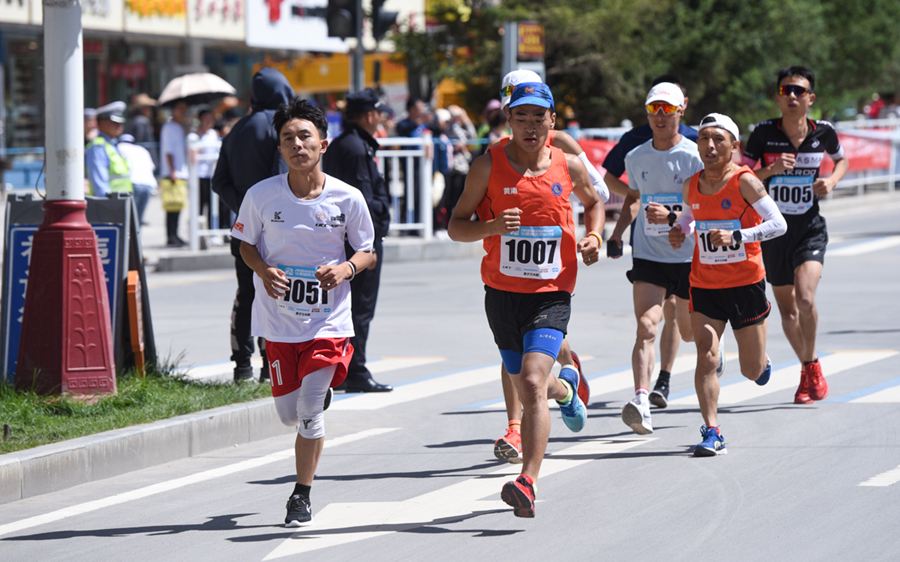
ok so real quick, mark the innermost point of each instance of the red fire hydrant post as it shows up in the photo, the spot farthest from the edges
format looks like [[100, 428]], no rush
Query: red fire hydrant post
[[66, 343]]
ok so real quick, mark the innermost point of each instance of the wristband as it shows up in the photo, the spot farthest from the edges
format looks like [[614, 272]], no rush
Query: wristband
[[353, 267], [597, 236]]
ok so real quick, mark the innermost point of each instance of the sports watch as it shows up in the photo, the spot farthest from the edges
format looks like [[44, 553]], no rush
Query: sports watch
[[736, 236]]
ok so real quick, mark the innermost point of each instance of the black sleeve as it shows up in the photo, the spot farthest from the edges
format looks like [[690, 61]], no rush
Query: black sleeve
[[222, 182], [754, 148]]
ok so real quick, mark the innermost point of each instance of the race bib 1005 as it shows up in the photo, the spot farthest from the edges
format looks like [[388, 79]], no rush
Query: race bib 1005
[[532, 253], [671, 201], [792, 194], [304, 298], [715, 255]]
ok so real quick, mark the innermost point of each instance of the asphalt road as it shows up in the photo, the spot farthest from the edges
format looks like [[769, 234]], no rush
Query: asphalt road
[[410, 474]]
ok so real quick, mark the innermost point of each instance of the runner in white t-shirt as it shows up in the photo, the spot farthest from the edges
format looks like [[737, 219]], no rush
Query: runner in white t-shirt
[[292, 230]]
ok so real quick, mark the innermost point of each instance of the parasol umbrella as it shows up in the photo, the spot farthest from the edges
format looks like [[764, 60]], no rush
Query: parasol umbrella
[[201, 87]]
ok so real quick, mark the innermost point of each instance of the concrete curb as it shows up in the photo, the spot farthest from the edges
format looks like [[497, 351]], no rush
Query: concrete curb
[[58, 466], [395, 250]]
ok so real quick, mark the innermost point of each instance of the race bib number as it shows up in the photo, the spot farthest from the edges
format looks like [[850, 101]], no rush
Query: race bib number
[[671, 201], [714, 255], [304, 298], [792, 194], [532, 253]]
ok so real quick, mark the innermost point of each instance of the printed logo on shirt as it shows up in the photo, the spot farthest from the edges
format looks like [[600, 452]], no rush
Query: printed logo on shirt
[[331, 222], [815, 143], [726, 204], [277, 217], [695, 205], [510, 191], [239, 226], [320, 216], [556, 189]]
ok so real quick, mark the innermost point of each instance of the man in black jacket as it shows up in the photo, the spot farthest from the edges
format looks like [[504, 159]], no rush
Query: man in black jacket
[[351, 158], [249, 154]]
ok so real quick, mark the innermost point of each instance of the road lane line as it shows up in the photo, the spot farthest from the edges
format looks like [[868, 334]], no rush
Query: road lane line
[[176, 483], [738, 389], [884, 479], [885, 392], [865, 247], [343, 523]]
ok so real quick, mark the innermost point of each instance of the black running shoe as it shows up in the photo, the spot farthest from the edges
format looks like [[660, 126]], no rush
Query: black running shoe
[[299, 512], [660, 395]]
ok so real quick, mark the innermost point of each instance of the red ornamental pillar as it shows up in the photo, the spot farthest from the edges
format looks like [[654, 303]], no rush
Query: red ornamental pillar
[[65, 344]]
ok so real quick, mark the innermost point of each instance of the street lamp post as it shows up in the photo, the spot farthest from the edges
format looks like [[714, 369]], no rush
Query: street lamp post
[[66, 340]]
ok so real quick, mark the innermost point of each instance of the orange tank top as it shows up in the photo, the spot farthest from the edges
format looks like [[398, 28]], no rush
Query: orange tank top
[[730, 266], [541, 256]]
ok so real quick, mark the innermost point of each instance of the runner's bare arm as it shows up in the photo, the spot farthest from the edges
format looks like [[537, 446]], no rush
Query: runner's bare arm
[[462, 228], [824, 186], [274, 280], [594, 212], [752, 189], [619, 187]]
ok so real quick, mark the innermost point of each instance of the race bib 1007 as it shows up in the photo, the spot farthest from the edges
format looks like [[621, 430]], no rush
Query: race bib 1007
[[715, 255], [304, 298], [792, 194], [671, 201], [532, 253]]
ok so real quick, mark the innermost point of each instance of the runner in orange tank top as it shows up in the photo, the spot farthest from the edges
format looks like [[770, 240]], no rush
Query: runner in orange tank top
[[509, 447], [520, 192], [725, 210]]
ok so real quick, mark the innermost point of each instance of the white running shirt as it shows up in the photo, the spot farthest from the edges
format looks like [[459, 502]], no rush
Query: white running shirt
[[297, 236], [659, 175]]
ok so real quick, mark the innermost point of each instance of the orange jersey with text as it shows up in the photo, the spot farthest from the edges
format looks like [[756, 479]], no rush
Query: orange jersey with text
[[729, 266], [541, 256]]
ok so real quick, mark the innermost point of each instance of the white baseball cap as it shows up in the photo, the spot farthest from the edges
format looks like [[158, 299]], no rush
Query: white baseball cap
[[513, 79], [666, 92], [722, 122]]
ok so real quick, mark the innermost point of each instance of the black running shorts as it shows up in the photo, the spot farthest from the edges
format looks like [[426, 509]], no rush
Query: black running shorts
[[742, 306], [804, 241], [511, 315], [675, 278]]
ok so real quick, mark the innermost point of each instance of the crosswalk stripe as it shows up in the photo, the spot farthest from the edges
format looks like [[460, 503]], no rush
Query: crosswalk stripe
[[224, 370], [865, 247], [884, 479], [785, 378], [885, 392]]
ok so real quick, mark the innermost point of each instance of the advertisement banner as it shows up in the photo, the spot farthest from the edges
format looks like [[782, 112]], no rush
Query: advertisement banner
[[531, 41], [157, 17], [274, 24], [217, 19]]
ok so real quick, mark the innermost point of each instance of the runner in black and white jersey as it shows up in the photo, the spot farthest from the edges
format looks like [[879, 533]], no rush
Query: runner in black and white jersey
[[790, 151]]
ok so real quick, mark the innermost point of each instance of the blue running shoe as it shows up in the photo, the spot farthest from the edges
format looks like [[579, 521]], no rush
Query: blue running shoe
[[713, 443], [573, 412], [764, 377]]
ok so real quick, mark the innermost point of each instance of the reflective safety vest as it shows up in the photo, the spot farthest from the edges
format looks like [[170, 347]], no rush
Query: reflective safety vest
[[119, 176]]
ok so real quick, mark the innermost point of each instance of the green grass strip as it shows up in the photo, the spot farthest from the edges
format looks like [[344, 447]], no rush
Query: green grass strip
[[38, 420]]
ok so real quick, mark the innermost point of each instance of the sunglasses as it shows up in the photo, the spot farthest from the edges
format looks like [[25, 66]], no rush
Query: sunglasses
[[667, 108], [507, 91], [798, 91]]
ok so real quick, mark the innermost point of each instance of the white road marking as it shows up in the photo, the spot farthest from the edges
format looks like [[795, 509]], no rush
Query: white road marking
[[886, 396], [343, 523], [788, 377], [884, 479], [418, 390], [224, 371], [865, 247], [176, 483]]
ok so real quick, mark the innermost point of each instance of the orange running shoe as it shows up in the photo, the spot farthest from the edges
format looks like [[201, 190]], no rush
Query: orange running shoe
[[802, 394], [509, 447], [815, 380]]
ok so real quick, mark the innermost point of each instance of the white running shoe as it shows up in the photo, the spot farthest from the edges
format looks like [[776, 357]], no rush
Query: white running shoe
[[636, 415]]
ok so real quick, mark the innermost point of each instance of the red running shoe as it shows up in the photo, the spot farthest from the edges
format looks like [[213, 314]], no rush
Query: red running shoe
[[519, 494], [802, 394], [584, 389], [509, 447], [818, 387]]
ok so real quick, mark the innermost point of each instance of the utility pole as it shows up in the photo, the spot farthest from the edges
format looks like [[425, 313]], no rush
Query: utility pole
[[66, 343], [357, 68]]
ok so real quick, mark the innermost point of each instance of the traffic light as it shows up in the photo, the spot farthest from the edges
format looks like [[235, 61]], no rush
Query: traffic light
[[341, 18], [381, 21]]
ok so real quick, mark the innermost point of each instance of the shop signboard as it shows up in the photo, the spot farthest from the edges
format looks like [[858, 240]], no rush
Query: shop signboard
[[274, 24], [105, 15], [15, 12], [217, 19], [157, 17]]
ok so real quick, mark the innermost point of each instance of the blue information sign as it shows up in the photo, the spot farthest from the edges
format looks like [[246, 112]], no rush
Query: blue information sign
[[109, 236]]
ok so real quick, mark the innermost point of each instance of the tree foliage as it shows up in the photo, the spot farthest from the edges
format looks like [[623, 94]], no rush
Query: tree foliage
[[602, 54]]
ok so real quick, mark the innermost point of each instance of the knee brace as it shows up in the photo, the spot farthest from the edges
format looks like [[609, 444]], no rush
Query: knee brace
[[311, 415]]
